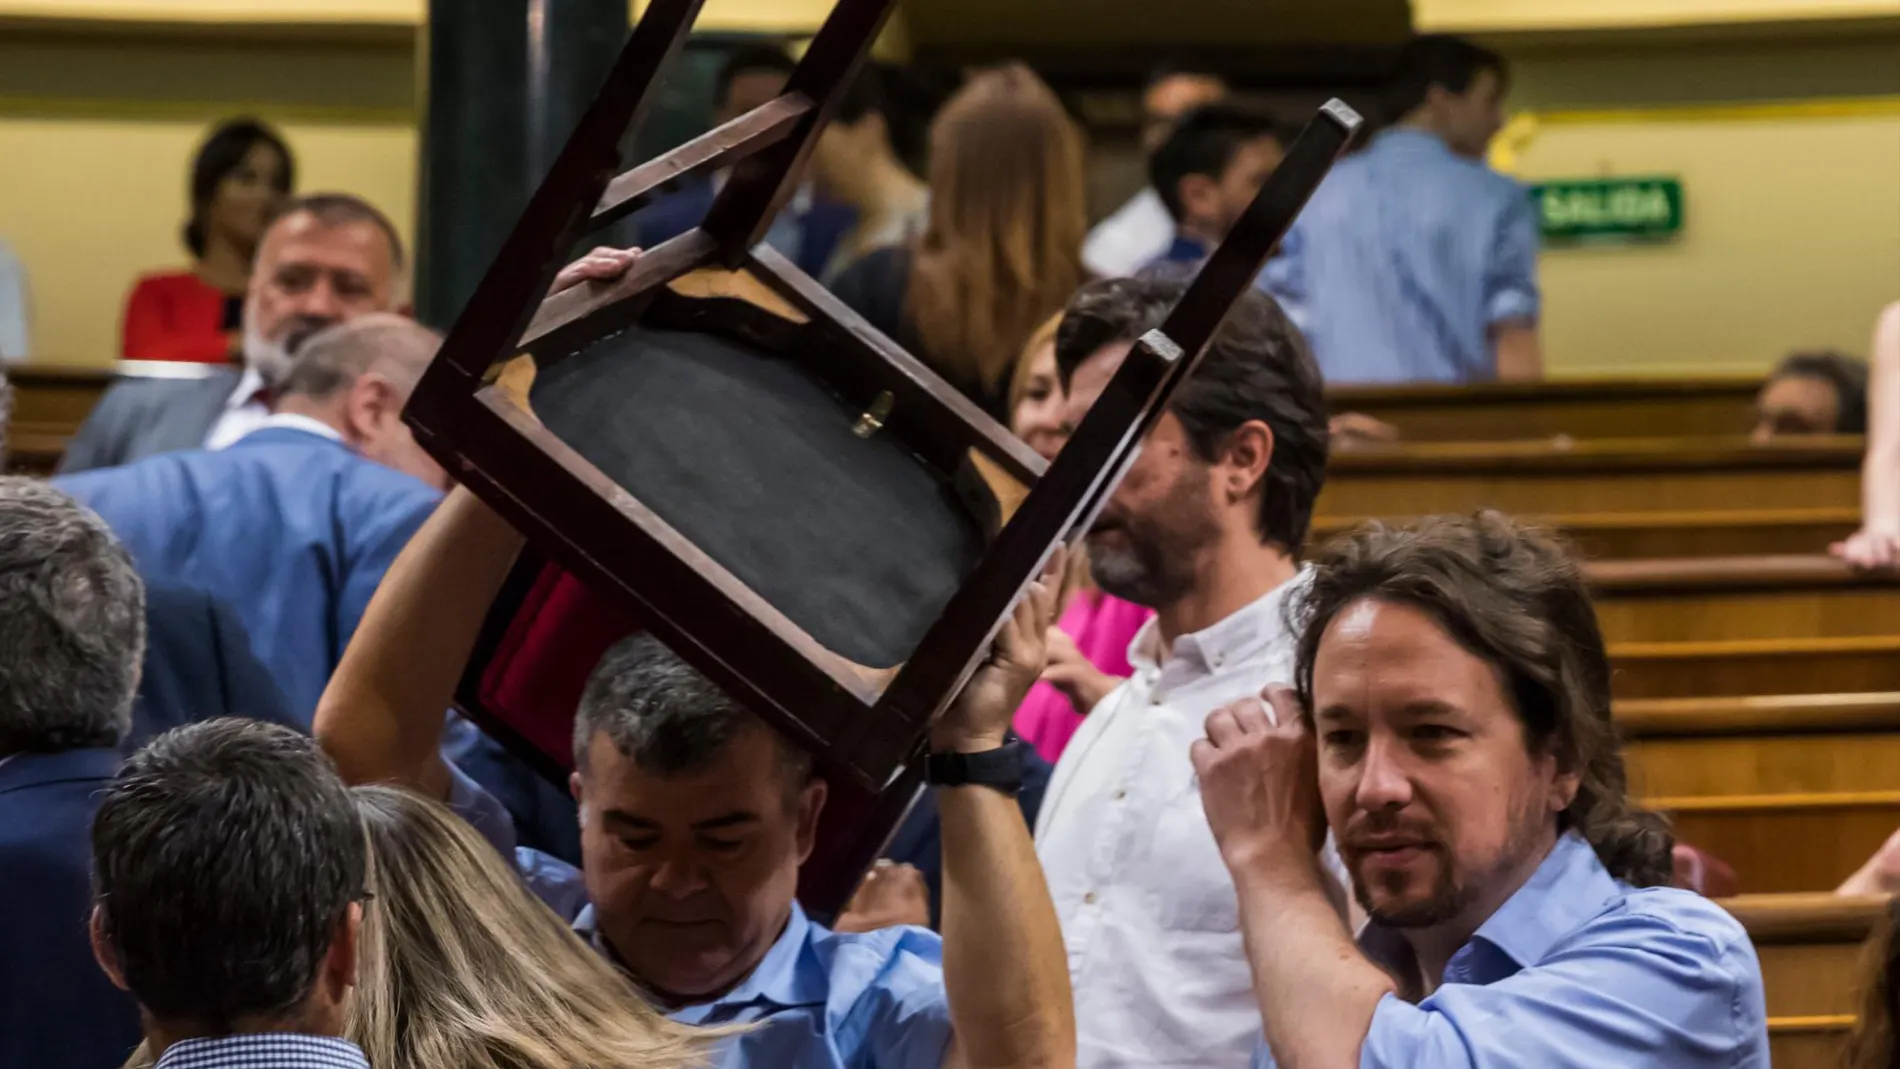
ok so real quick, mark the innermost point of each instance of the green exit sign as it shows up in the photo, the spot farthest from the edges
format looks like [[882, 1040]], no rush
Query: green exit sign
[[1609, 209]]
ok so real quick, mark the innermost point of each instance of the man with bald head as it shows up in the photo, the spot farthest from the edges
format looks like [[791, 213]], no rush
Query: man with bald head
[[328, 258], [295, 522]]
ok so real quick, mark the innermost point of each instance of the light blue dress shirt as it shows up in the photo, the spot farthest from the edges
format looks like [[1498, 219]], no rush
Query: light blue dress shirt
[[1578, 969], [819, 999], [1403, 261]]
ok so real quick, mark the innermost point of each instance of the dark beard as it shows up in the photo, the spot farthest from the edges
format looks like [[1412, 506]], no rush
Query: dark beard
[[1451, 897], [1447, 900], [1157, 564]]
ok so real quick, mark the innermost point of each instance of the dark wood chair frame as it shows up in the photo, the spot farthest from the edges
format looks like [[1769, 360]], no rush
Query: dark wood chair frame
[[868, 724]]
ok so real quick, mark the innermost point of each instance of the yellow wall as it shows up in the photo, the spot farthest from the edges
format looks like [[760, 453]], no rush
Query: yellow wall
[[97, 132], [89, 203], [1789, 152], [1791, 240], [1492, 16], [758, 16]]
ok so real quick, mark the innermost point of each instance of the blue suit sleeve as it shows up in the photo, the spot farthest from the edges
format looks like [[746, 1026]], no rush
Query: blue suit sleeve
[[380, 538], [1636, 989], [100, 441], [243, 680]]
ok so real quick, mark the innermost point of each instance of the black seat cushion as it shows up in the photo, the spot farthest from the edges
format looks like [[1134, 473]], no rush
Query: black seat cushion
[[752, 457]]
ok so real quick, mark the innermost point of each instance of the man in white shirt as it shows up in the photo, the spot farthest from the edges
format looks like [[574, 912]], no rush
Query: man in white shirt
[[1205, 528], [328, 259], [1140, 231]]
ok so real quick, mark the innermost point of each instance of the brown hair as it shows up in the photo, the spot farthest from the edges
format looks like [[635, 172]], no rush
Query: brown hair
[[1515, 597], [1019, 376], [1003, 250], [1871, 1044]]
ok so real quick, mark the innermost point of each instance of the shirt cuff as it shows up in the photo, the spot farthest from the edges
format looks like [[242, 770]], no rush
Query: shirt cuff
[[1513, 304]]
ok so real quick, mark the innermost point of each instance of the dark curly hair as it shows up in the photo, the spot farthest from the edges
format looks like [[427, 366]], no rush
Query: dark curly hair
[[1515, 597]]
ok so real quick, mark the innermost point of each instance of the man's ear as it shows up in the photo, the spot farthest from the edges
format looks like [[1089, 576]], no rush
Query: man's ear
[[811, 805], [372, 404], [102, 950], [338, 973], [1245, 459]]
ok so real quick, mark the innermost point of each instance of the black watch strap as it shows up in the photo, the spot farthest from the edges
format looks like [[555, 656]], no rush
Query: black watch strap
[[1001, 768]]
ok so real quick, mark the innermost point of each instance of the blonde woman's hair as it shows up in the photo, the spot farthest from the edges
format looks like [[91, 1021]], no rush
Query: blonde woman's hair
[[1076, 576], [1019, 378], [461, 967], [464, 969], [1003, 250]]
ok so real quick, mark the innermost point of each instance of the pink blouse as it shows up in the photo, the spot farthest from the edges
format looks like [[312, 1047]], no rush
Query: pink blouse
[[1102, 627]]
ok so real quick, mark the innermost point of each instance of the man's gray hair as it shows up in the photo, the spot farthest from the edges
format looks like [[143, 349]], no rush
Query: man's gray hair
[[72, 623], [396, 347], [666, 716]]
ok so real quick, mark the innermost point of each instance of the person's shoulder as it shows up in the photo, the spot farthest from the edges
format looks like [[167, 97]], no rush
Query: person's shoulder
[[1682, 926], [858, 963], [383, 493]]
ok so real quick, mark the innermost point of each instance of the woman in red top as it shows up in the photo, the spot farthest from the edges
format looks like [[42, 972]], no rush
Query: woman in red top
[[243, 172]]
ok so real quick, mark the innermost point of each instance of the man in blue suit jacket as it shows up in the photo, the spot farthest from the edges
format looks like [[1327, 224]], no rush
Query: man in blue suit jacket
[[294, 524], [199, 665], [72, 633]]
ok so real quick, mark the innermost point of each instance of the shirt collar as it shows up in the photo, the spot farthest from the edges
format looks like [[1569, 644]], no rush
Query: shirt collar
[[777, 979], [293, 421], [263, 1050], [248, 385], [1241, 635], [1569, 887]]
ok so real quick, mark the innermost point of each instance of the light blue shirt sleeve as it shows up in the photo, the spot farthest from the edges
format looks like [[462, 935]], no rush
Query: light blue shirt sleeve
[[902, 1021], [1510, 283], [1629, 989]]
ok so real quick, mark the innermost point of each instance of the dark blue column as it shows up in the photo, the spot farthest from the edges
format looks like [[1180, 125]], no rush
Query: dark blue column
[[505, 81]]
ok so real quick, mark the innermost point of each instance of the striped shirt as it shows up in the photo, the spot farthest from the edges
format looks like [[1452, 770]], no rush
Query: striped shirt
[[263, 1050]]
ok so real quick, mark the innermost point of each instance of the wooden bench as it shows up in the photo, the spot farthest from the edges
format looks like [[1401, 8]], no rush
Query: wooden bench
[[49, 404], [1754, 597], [1653, 475], [1580, 408], [1740, 667], [1678, 534], [1810, 951], [1794, 791]]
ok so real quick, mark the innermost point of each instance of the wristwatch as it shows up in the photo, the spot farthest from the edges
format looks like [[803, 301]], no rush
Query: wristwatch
[[1001, 768]]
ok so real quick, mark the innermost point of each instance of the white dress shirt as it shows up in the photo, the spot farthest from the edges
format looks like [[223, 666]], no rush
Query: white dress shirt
[[1149, 914], [244, 411], [1137, 235]]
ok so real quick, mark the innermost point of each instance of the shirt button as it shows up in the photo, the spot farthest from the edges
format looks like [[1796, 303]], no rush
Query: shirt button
[[1088, 899], [1119, 795]]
